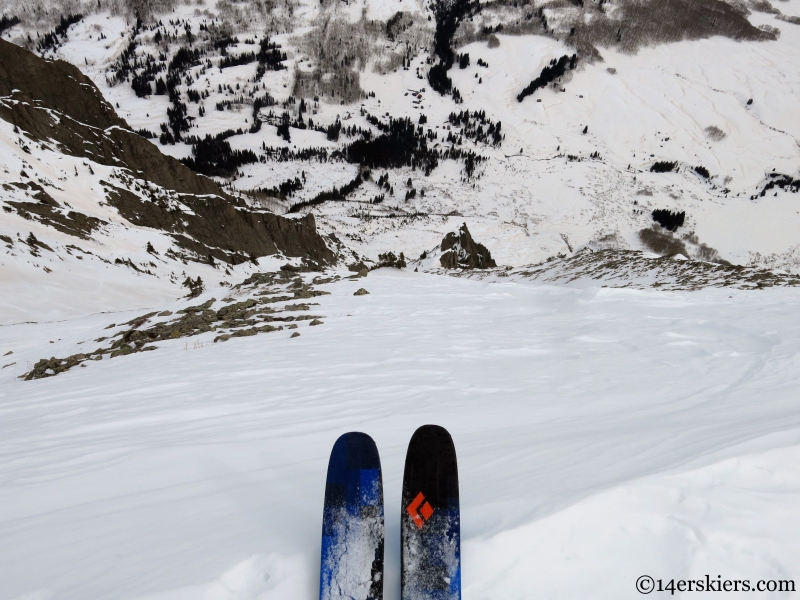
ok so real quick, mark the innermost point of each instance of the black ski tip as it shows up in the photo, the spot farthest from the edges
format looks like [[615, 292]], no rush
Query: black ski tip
[[435, 433], [431, 465]]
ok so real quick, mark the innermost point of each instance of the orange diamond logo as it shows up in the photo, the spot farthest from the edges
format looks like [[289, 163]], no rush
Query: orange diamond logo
[[426, 511], [417, 514]]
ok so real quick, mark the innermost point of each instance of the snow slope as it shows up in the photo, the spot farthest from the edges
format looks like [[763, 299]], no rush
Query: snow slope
[[76, 276], [602, 435]]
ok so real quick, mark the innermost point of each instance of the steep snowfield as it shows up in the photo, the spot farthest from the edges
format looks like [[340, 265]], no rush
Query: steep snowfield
[[73, 276], [602, 435]]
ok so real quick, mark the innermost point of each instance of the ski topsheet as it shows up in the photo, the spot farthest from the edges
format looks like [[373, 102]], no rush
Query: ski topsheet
[[352, 523], [430, 521]]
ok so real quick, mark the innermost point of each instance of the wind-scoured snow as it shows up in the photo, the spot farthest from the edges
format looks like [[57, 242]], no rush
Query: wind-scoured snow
[[602, 434]]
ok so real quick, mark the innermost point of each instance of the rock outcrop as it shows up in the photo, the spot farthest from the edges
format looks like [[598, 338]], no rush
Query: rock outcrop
[[53, 102], [460, 251]]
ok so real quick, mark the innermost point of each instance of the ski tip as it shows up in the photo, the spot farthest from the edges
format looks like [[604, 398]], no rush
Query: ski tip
[[432, 427], [355, 437], [357, 450], [432, 431], [431, 461]]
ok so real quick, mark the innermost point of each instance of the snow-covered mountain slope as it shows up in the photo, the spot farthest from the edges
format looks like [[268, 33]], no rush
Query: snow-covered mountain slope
[[97, 215], [574, 165], [601, 435], [624, 269]]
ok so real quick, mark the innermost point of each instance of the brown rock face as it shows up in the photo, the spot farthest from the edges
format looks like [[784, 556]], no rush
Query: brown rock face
[[53, 100], [55, 84], [462, 252], [221, 229]]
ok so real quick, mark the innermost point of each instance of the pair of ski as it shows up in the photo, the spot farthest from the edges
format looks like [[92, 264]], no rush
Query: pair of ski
[[353, 528]]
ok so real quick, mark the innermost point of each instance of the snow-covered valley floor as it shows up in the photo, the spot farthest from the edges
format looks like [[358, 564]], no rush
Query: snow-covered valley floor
[[602, 434]]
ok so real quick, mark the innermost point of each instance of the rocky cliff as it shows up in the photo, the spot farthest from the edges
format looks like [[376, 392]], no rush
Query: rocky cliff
[[52, 104], [460, 251]]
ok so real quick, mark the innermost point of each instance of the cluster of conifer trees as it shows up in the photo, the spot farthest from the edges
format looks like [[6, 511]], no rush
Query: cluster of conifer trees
[[285, 188], [401, 144], [213, 156], [449, 14], [663, 166], [338, 194], [51, 39], [7, 22], [285, 154], [472, 126], [550, 73], [667, 219], [236, 60], [270, 58], [781, 181]]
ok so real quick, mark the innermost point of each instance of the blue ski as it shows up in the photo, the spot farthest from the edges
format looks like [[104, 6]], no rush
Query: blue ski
[[352, 523]]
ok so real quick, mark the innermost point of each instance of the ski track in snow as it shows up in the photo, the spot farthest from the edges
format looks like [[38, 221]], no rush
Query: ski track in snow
[[602, 434]]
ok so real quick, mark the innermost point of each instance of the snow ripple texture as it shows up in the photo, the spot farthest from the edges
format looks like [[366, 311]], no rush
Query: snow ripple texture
[[603, 434]]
